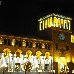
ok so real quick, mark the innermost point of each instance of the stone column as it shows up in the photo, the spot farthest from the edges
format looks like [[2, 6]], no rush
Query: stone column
[[40, 25], [48, 22], [51, 21]]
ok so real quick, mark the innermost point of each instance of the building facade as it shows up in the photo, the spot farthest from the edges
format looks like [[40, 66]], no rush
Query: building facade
[[52, 52]]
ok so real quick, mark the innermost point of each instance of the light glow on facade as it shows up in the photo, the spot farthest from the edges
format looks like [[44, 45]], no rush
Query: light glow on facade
[[55, 21]]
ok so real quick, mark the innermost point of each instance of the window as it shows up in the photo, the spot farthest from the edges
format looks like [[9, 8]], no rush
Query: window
[[9, 42], [16, 42], [33, 44], [13, 42], [30, 44], [20, 43], [5, 42], [24, 43], [48, 46], [27, 44], [62, 26], [37, 45], [45, 46], [1, 41]]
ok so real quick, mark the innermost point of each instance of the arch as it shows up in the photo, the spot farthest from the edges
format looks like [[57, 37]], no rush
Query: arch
[[28, 54], [18, 53], [7, 52], [47, 54], [38, 54]]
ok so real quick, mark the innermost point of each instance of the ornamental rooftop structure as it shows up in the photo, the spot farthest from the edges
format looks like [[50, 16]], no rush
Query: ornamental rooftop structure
[[55, 20]]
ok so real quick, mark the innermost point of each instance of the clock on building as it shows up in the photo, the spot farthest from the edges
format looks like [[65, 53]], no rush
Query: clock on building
[[61, 36]]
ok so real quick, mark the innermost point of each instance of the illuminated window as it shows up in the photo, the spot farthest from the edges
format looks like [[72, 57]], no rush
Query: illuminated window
[[34, 45], [72, 38], [1, 41], [43, 45], [13, 42], [24, 43]]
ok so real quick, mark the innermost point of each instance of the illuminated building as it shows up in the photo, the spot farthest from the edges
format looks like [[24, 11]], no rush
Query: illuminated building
[[51, 52]]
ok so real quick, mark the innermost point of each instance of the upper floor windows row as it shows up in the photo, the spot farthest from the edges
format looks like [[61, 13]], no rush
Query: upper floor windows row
[[25, 43]]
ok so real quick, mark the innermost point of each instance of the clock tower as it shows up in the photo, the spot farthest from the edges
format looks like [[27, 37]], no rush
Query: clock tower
[[56, 28]]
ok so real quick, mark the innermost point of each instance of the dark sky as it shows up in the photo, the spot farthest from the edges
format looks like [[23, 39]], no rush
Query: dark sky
[[20, 17]]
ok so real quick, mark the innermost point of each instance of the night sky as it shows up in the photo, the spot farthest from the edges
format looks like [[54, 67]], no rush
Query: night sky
[[20, 17]]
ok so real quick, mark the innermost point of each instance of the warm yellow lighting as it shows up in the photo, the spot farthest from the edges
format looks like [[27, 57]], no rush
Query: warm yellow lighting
[[72, 59], [40, 24], [51, 21], [62, 60], [61, 25], [24, 43], [47, 54], [13, 42], [72, 38], [34, 44], [56, 59], [28, 54], [46, 23], [18, 53], [1, 40], [59, 22], [38, 54], [55, 22], [68, 59], [7, 52], [43, 45]]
